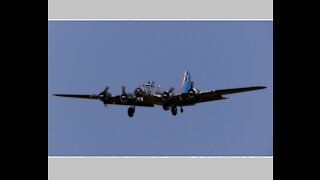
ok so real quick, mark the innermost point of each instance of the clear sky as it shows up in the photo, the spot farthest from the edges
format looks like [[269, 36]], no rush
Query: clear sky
[[85, 56]]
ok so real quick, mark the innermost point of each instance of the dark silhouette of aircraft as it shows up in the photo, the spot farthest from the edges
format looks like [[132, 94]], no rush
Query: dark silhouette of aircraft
[[150, 94]]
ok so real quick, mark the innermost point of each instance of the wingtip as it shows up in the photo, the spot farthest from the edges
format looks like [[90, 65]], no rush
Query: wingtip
[[260, 87]]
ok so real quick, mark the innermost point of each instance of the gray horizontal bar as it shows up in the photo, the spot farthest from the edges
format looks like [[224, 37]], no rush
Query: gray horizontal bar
[[160, 9], [160, 168]]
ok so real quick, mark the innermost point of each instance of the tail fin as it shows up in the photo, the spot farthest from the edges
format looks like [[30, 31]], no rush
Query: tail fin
[[186, 83]]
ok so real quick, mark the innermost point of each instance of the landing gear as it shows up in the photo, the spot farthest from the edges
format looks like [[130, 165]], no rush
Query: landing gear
[[131, 111], [166, 107], [174, 110]]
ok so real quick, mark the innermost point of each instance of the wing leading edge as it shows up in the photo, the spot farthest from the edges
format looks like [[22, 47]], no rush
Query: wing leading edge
[[184, 99], [83, 96], [237, 90], [115, 100]]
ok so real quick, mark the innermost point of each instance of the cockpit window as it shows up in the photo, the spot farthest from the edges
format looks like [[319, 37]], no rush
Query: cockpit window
[[149, 84]]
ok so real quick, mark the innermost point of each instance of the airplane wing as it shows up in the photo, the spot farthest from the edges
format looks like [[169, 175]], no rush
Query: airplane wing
[[111, 100], [213, 95], [83, 96], [237, 90], [184, 99], [180, 100]]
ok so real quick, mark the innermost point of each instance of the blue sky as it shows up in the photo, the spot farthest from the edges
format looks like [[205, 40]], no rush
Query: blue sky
[[85, 56]]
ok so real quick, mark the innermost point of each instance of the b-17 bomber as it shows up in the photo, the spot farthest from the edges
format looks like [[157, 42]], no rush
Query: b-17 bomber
[[150, 94]]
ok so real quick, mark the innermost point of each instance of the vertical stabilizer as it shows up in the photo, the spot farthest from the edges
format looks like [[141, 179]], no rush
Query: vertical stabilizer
[[186, 83]]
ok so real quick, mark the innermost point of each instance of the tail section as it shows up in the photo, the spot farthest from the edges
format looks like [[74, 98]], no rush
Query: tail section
[[186, 83]]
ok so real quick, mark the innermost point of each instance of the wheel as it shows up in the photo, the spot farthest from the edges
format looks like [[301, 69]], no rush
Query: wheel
[[166, 107], [130, 111], [174, 110], [181, 109]]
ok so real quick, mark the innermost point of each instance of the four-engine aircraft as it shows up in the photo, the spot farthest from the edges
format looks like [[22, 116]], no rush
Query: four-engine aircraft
[[150, 94]]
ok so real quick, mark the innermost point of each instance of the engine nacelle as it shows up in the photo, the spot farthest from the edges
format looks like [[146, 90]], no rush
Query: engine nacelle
[[124, 98], [193, 92], [165, 95], [138, 92], [104, 96]]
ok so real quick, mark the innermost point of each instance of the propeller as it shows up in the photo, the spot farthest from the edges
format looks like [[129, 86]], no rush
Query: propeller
[[171, 89], [123, 88], [138, 92], [166, 95], [104, 95], [124, 95], [191, 91]]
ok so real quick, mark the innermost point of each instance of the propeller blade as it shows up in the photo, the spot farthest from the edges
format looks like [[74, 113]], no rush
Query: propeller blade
[[171, 89], [104, 94], [123, 87], [106, 89]]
